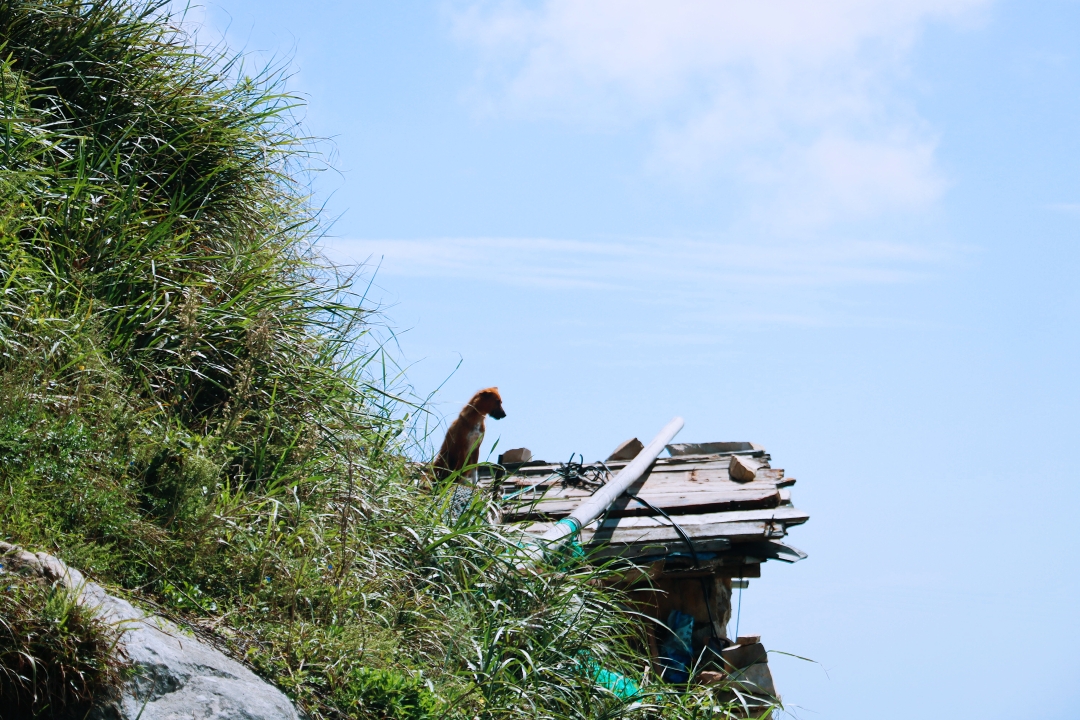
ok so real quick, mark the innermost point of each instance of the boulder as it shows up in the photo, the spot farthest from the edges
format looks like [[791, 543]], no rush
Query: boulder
[[177, 677]]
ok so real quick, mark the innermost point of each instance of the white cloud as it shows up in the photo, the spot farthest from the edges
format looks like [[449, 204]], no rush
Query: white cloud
[[801, 101]]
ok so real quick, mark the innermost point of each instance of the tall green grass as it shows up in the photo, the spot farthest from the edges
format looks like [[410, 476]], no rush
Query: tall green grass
[[56, 658], [189, 410]]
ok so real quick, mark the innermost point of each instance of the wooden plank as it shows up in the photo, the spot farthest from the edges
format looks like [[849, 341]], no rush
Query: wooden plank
[[692, 501], [701, 488], [661, 465], [739, 525], [688, 490], [554, 492], [709, 448], [558, 493], [674, 503], [685, 481], [720, 571], [552, 499], [537, 467], [708, 462], [702, 471], [695, 459], [772, 523], [667, 482], [790, 516], [651, 550]]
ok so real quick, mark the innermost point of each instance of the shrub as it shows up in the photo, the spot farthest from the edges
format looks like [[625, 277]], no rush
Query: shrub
[[387, 695]]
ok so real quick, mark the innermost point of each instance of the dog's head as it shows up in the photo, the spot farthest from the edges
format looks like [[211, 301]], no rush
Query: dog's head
[[489, 402]]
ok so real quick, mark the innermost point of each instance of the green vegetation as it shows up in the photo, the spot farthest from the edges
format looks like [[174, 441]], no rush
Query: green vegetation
[[189, 411], [56, 658]]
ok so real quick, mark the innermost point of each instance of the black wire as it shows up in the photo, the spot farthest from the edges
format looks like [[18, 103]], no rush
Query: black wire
[[572, 473], [693, 553], [658, 511], [575, 474], [678, 529]]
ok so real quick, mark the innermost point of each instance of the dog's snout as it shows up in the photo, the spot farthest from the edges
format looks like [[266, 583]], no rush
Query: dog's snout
[[498, 413]]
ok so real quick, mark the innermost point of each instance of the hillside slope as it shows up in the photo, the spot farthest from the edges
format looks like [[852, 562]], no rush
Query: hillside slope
[[187, 412]]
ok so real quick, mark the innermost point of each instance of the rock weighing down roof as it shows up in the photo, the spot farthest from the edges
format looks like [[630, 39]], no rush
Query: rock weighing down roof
[[724, 499]]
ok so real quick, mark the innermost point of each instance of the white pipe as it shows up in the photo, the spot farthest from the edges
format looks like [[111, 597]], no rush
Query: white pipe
[[594, 506]]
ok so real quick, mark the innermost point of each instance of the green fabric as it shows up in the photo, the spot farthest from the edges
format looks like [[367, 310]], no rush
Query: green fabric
[[622, 686]]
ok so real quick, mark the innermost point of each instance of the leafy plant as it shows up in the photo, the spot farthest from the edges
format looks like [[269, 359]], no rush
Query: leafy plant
[[388, 695]]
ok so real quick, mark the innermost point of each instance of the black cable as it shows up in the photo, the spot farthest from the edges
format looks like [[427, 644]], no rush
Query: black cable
[[678, 529], [577, 474], [693, 553]]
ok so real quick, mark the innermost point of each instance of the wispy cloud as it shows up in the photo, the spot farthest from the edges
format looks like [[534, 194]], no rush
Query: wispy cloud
[[801, 101], [682, 266]]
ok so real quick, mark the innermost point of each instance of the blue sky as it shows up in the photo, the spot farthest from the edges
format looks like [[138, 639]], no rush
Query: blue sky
[[848, 230]]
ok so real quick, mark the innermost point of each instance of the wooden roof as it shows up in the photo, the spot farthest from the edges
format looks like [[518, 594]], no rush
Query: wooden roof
[[731, 516]]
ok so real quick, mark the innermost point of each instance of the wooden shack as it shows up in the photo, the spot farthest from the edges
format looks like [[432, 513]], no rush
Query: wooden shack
[[701, 521]]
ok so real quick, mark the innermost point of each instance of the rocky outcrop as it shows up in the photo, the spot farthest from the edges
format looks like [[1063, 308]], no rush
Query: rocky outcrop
[[177, 676]]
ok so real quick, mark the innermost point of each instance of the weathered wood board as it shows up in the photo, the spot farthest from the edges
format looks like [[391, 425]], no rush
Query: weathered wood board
[[674, 503], [714, 510], [767, 523]]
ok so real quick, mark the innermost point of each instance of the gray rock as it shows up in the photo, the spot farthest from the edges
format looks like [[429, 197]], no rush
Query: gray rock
[[177, 676]]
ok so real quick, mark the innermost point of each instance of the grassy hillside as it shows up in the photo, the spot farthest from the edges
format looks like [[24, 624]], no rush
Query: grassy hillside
[[186, 412]]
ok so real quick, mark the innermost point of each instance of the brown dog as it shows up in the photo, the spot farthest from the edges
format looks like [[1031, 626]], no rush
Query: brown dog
[[461, 448]]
